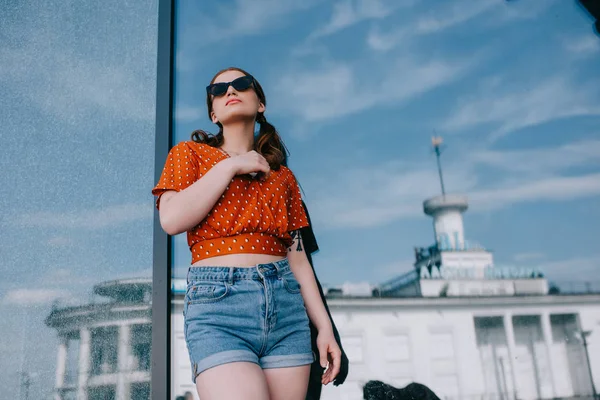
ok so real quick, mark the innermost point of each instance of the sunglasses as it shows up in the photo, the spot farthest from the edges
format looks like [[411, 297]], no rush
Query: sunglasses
[[240, 84]]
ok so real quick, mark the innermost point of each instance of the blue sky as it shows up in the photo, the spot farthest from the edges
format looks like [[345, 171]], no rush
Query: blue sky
[[357, 89]]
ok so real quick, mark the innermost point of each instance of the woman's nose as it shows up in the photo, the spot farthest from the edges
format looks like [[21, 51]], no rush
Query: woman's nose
[[230, 90]]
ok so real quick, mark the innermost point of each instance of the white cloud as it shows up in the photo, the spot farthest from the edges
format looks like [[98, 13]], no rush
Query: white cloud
[[519, 11], [35, 297], [582, 45], [242, 18], [453, 14], [346, 13], [541, 161], [88, 219], [517, 106], [550, 189], [358, 87], [436, 21], [385, 192], [379, 194]]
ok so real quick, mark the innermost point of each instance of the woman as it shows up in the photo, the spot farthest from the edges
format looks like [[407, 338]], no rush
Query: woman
[[251, 289]]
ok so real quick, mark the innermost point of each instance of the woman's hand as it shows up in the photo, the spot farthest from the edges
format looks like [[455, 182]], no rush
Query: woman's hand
[[250, 163], [330, 354]]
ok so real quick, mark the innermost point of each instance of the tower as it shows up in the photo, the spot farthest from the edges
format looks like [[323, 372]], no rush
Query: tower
[[450, 249], [446, 211]]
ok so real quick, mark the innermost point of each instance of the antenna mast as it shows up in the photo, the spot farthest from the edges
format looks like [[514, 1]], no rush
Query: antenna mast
[[437, 141]]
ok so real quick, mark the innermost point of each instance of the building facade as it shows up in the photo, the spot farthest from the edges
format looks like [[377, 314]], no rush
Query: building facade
[[104, 347]]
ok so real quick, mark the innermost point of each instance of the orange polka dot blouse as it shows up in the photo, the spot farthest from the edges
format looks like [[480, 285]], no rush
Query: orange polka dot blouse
[[250, 217]]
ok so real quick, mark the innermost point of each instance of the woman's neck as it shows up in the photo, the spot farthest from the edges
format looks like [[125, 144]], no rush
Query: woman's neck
[[238, 137]]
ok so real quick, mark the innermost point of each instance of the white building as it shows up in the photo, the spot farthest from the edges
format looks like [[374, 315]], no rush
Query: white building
[[104, 350], [456, 323]]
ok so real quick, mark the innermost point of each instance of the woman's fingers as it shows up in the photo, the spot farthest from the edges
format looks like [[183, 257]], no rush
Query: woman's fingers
[[334, 357]]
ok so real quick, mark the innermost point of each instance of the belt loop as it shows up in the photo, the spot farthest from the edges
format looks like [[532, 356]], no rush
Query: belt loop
[[276, 264], [230, 277], [187, 277]]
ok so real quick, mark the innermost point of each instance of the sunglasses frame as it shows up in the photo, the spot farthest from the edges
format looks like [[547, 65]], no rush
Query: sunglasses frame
[[211, 88]]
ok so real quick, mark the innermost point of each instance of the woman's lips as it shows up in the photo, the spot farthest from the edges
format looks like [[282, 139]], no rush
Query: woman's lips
[[232, 101]]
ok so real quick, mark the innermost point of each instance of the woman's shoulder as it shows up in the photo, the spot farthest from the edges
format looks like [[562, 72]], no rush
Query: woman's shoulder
[[286, 174], [200, 149]]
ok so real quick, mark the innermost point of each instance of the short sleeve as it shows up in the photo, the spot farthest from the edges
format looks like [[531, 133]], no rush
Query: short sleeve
[[180, 171], [296, 215]]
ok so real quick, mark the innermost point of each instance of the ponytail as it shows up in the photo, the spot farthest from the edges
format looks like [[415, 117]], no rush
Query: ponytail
[[269, 143]]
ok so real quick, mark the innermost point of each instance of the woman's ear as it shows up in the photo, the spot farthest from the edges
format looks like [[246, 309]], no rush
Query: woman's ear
[[261, 108], [213, 117]]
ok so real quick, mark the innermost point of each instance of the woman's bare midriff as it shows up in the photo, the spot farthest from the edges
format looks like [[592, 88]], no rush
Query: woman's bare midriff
[[238, 260]]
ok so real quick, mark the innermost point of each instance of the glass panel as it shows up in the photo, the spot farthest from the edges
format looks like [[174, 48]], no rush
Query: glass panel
[[104, 347], [141, 336], [77, 111], [425, 134]]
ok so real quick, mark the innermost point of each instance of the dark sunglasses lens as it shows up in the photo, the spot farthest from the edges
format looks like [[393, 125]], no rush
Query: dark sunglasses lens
[[218, 89], [242, 83]]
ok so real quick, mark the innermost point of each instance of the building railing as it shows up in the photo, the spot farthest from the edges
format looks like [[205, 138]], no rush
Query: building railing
[[574, 287]]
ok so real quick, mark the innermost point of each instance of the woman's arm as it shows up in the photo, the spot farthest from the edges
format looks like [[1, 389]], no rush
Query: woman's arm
[[180, 211], [329, 350], [306, 278]]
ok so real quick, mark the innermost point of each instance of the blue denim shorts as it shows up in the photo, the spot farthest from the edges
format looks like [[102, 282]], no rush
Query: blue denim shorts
[[252, 314]]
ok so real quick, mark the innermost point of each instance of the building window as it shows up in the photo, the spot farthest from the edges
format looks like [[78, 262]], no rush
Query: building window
[[443, 364], [102, 393], [353, 345], [104, 344], [398, 348], [564, 327], [494, 356], [141, 345], [140, 391], [69, 394], [72, 359]]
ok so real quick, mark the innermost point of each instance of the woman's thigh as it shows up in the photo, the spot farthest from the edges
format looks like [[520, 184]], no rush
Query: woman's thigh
[[287, 383], [237, 380]]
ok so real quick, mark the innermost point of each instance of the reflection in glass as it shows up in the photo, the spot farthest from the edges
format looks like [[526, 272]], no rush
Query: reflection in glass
[[109, 339], [77, 115], [141, 337], [104, 345]]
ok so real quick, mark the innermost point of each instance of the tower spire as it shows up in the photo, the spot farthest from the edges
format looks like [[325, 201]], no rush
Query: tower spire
[[437, 141]]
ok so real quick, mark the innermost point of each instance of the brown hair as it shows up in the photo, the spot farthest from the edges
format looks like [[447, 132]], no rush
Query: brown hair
[[268, 143]]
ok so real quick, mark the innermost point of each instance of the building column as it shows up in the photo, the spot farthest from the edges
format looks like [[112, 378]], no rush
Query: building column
[[547, 332], [124, 364], [510, 341], [84, 363], [61, 362]]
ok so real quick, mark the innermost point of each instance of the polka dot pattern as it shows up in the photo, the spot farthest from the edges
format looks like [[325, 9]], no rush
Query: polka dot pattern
[[250, 217]]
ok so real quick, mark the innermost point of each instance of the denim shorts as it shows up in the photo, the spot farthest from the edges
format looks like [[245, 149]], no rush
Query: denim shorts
[[254, 314]]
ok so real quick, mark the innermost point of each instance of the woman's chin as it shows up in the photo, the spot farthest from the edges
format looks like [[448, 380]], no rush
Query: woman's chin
[[237, 118]]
